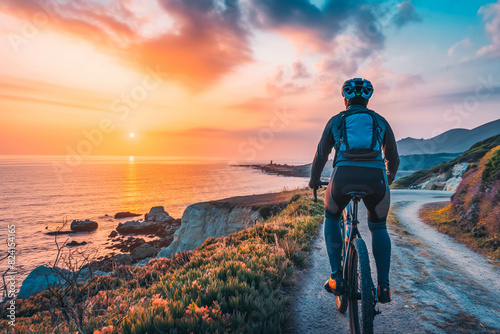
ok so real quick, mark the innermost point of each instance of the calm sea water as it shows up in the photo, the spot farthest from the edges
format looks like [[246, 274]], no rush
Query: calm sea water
[[35, 195]]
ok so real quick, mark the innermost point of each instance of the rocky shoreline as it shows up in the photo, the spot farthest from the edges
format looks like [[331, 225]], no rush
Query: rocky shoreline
[[125, 238], [199, 222]]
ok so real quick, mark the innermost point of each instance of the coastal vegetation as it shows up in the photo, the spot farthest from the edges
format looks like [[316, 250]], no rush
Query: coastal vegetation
[[236, 283], [473, 215]]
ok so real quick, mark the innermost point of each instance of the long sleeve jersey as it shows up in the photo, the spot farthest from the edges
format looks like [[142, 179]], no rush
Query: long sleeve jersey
[[331, 135]]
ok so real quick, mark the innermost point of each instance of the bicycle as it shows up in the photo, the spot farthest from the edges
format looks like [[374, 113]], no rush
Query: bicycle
[[360, 295]]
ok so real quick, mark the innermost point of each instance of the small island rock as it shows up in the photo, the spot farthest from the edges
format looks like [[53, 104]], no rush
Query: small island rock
[[83, 225], [126, 214], [76, 243]]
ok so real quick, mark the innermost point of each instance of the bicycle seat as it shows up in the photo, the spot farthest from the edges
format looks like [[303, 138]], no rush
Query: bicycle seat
[[357, 194], [357, 191]]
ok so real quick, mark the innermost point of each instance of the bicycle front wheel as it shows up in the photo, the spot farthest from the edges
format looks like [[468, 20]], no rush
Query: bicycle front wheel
[[360, 289]]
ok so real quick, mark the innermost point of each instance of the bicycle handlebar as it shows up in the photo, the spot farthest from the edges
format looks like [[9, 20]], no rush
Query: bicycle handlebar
[[315, 189]]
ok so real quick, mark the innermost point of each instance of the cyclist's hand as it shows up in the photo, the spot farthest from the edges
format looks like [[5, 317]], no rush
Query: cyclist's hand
[[314, 184], [390, 178]]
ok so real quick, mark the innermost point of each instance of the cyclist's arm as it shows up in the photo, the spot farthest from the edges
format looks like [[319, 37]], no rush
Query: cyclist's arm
[[391, 153], [325, 147]]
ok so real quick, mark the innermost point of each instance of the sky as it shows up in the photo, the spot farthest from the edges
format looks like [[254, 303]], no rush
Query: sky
[[245, 80]]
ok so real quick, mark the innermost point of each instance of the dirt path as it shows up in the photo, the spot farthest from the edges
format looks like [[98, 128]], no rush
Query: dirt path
[[439, 286]]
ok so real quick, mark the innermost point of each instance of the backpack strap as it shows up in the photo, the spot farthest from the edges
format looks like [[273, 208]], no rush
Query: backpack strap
[[377, 130], [343, 131], [341, 136]]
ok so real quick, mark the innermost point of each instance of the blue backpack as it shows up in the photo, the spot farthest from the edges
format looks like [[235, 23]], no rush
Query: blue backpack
[[359, 136]]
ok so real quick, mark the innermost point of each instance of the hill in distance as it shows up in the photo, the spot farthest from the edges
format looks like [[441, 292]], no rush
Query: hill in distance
[[451, 141], [473, 155]]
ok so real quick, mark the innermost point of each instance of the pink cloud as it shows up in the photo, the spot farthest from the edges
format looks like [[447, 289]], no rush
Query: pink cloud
[[205, 43], [300, 70]]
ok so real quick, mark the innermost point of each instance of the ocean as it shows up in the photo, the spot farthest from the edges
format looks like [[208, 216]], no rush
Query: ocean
[[39, 192]]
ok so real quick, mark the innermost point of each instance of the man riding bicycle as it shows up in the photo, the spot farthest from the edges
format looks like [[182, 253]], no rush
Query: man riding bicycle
[[359, 136]]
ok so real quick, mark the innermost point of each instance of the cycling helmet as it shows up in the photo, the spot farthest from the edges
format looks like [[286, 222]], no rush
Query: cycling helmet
[[357, 87]]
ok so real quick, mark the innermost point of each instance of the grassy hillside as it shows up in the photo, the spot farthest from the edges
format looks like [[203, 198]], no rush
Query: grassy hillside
[[473, 216], [229, 284], [473, 154]]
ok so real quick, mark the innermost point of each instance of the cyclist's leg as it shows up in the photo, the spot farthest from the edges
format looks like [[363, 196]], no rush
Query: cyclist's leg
[[335, 202], [377, 206]]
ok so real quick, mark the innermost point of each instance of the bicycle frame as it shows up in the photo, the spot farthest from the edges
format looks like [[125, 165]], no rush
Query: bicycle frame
[[357, 274], [350, 214]]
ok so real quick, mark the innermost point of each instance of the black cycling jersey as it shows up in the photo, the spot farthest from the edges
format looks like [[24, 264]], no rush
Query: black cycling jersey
[[331, 135]]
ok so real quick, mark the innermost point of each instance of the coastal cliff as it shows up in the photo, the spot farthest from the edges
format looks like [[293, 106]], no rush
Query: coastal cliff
[[216, 219]]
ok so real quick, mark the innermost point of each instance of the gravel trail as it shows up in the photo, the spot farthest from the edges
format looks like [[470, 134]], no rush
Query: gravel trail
[[438, 285]]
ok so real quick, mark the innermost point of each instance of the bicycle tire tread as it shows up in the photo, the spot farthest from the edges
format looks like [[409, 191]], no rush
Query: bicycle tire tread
[[366, 286]]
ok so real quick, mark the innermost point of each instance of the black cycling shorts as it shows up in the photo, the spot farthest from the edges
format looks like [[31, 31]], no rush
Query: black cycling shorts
[[352, 178]]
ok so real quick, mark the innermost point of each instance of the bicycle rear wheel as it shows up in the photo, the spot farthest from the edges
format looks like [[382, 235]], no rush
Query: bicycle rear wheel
[[341, 300], [360, 286]]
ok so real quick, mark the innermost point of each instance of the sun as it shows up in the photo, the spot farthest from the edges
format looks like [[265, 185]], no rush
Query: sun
[[132, 135]]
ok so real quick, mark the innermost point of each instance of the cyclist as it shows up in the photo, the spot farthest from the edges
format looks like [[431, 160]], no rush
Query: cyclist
[[359, 136]]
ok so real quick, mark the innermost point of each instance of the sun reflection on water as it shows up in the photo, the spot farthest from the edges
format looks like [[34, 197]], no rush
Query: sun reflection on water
[[132, 191]]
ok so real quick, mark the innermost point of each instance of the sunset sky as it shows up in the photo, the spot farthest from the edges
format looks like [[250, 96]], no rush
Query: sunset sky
[[245, 80]]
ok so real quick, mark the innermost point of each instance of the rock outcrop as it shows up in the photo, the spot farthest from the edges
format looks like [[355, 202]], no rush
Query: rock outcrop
[[158, 214], [221, 218], [137, 227], [144, 251], [157, 222], [126, 214], [446, 181], [83, 225], [206, 220], [73, 243], [160, 229], [39, 280], [456, 176]]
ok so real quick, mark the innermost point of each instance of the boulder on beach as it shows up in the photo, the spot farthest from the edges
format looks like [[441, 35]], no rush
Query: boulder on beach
[[158, 214], [113, 234], [40, 279], [144, 251], [83, 225], [126, 214]]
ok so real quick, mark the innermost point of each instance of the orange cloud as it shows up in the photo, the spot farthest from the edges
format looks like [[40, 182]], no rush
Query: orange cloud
[[205, 43]]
